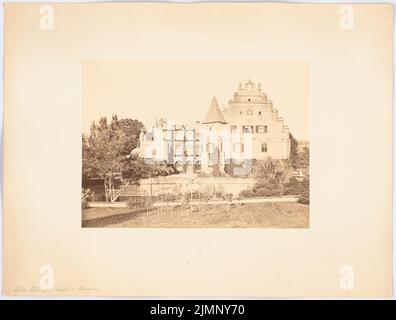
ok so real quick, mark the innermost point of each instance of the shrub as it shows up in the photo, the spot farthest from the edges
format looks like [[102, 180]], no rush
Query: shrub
[[206, 196], [203, 174], [229, 197], [138, 202], [195, 194], [262, 191], [268, 192], [304, 199], [219, 195], [300, 188], [273, 172], [85, 197], [270, 175], [247, 193], [168, 197], [100, 196]]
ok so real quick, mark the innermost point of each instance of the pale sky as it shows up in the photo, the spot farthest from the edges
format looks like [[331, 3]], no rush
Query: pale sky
[[182, 90]]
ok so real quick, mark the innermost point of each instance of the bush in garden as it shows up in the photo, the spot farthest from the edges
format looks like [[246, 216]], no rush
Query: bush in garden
[[300, 188], [168, 197], [272, 172], [97, 196], [138, 202], [219, 195], [206, 196], [229, 197], [247, 193], [85, 197], [270, 175], [304, 199], [263, 189]]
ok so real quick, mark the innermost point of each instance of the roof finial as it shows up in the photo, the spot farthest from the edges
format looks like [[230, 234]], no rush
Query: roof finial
[[249, 85]]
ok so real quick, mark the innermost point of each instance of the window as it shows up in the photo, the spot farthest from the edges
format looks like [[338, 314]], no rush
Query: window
[[249, 112], [153, 152], [261, 129], [179, 135], [238, 147], [264, 147], [198, 166], [179, 149], [247, 129], [240, 112], [190, 135], [259, 113], [189, 149], [249, 99], [234, 129]]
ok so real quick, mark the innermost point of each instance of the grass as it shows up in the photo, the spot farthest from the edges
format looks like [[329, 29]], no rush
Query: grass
[[260, 215]]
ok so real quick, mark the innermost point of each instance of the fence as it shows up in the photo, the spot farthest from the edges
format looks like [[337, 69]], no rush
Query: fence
[[186, 184]]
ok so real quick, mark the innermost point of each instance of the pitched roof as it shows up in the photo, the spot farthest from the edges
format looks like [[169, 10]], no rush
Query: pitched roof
[[214, 113]]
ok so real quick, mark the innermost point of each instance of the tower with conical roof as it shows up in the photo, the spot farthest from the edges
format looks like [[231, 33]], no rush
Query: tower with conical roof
[[214, 114], [213, 157]]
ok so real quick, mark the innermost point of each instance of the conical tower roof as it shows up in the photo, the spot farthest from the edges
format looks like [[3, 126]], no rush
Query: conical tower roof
[[214, 113]]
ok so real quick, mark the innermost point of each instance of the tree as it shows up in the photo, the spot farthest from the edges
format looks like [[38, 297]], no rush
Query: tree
[[298, 158], [298, 187], [304, 157], [270, 177], [106, 153], [271, 171], [132, 129], [293, 151]]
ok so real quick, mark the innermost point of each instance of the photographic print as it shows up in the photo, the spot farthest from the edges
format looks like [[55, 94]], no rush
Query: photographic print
[[198, 149], [160, 151]]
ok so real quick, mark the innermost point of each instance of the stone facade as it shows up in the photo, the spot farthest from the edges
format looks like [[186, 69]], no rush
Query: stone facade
[[248, 128]]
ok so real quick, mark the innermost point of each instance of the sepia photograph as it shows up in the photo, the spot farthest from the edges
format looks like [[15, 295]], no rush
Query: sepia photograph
[[208, 150], [167, 154]]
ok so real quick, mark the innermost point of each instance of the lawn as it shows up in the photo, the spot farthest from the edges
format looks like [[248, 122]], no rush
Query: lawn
[[260, 215]]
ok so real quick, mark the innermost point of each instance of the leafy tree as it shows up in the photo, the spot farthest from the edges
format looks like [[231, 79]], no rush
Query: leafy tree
[[294, 157], [298, 187], [107, 153], [132, 129], [104, 154], [304, 157], [271, 171], [298, 158], [270, 177]]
